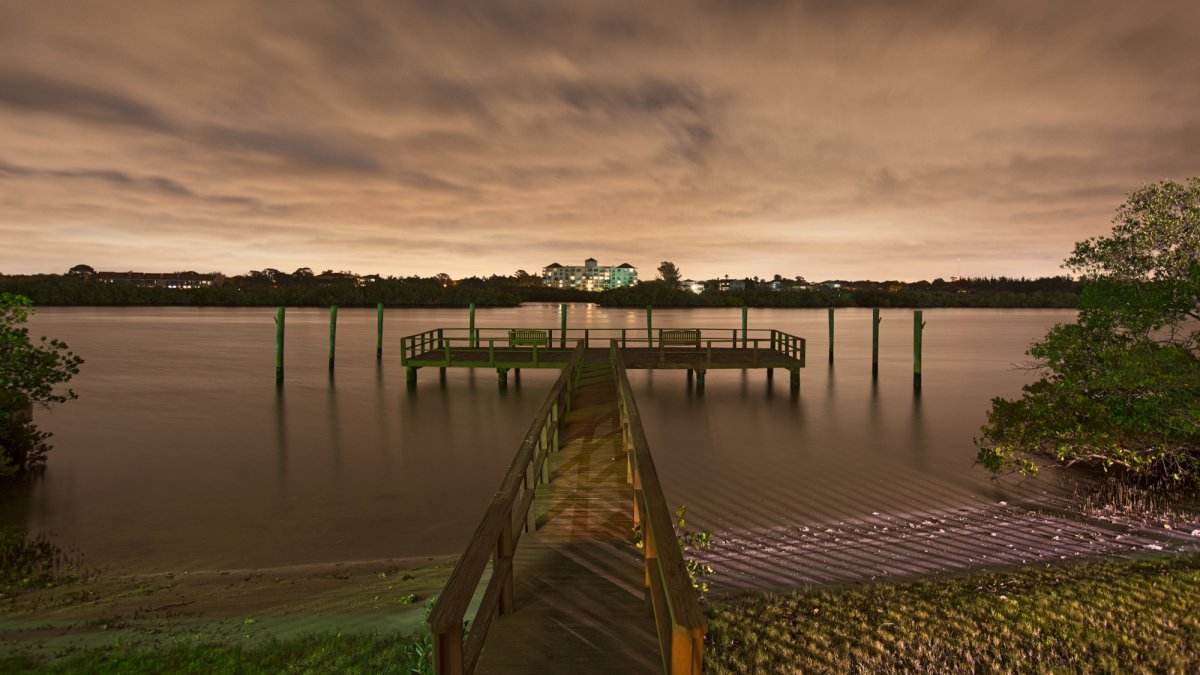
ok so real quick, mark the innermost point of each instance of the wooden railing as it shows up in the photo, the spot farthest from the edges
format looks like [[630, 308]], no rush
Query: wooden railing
[[510, 510], [680, 622], [491, 339]]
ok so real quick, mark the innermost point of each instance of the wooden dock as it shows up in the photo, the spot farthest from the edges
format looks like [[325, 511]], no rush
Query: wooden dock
[[577, 596], [579, 603], [696, 350]]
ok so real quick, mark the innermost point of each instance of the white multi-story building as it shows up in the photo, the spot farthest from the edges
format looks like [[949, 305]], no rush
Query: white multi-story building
[[590, 276]]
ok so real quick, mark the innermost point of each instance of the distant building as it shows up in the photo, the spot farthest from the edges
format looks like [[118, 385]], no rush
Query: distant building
[[732, 284], [696, 287], [178, 280], [590, 276]]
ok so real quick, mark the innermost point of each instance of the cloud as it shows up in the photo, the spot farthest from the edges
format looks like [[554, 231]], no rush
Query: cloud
[[818, 138]]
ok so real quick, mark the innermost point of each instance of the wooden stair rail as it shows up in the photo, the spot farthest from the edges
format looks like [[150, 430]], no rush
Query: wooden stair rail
[[497, 536], [680, 621]]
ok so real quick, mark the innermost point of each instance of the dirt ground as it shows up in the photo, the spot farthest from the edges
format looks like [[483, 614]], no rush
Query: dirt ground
[[222, 606]]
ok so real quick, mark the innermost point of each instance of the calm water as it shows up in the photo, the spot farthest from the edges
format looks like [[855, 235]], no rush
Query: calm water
[[180, 453]]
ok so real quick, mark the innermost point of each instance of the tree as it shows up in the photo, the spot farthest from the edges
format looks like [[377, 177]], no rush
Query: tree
[[29, 374], [668, 272], [1121, 386]]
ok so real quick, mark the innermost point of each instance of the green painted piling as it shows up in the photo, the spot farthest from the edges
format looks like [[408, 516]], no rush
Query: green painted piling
[[745, 312], [279, 346], [875, 343], [379, 331], [562, 310], [831, 335], [332, 333], [918, 329], [649, 328], [471, 327]]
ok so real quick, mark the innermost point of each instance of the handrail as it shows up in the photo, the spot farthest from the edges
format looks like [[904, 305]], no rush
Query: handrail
[[497, 337], [496, 537], [680, 622]]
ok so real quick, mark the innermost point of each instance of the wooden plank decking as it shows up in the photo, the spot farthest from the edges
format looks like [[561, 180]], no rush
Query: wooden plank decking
[[579, 582]]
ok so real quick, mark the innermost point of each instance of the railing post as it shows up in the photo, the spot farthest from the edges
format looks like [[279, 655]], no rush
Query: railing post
[[504, 549], [745, 311], [448, 651], [649, 328], [404, 351], [471, 328], [562, 308]]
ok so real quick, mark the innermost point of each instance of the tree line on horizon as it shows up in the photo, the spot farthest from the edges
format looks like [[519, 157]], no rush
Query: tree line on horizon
[[304, 288]]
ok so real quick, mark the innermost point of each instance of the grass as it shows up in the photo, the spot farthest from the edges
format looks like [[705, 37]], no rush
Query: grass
[[33, 562], [1113, 616], [323, 653]]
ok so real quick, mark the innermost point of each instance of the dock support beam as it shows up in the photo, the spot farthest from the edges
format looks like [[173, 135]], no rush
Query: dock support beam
[[918, 329], [649, 329], [875, 343], [745, 311], [690, 374], [700, 379], [770, 374], [412, 375], [471, 327], [502, 376], [562, 341], [795, 372]]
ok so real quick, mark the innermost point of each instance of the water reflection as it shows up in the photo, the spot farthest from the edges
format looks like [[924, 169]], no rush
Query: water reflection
[[167, 458]]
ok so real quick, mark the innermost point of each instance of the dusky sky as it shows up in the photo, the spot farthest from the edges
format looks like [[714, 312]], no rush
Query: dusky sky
[[823, 138]]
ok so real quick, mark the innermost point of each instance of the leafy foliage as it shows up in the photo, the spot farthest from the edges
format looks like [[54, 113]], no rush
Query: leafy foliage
[[29, 374], [690, 542], [1121, 387]]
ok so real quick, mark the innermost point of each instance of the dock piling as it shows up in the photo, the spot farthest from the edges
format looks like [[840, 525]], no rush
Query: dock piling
[[279, 346], [502, 377], [379, 332], [649, 329], [332, 333], [745, 311], [562, 341], [831, 335], [875, 343], [471, 327], [918, 329]]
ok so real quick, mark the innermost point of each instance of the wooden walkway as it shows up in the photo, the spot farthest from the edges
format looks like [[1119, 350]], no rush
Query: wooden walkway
[[579, 596]]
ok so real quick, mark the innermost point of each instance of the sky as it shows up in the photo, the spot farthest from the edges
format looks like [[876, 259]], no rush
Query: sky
[[831, 139]]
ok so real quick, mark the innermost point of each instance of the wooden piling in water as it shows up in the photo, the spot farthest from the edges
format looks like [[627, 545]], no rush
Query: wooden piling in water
[[562, 310], [875, 343], [745, 311], [502, 376], [649, 329], [918, 329], [831, 335], [471, 327], [332, 333], [279, 346], [795, 379], [379, 332]]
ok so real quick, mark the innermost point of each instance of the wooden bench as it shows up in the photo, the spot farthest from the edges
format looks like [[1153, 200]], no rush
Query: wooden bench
[[521, 337], [675, 337]]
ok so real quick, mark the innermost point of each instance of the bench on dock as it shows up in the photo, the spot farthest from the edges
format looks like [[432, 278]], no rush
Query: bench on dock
[[677, 337], [522, 337]]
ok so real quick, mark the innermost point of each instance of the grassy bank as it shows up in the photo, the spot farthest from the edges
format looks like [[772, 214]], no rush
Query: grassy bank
[[1117, 616], [1113, 616], [325, 653]]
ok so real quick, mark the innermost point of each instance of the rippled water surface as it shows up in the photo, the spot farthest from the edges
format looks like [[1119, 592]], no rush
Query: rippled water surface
[[181, 454]]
